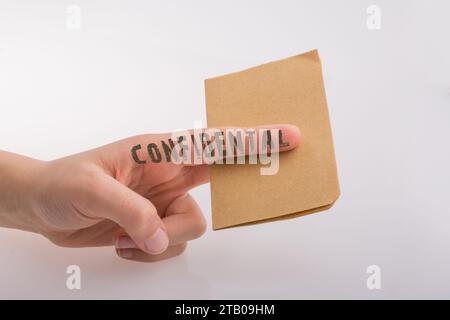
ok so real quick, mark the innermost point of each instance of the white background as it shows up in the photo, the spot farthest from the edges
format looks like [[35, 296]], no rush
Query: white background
[[138, 66]]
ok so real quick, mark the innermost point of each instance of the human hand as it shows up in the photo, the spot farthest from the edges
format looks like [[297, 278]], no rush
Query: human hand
[[103, 197]]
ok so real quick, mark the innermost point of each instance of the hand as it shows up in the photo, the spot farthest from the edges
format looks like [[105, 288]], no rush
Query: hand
[[103, 197]]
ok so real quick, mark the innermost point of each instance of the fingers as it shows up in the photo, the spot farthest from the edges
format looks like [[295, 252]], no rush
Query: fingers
[[215, 145], [141, 256], [184, 221], [195, 145], [287, 135], [134, 213]]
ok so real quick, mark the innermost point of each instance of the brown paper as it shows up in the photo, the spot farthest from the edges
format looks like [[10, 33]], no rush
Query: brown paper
[[287, 91]]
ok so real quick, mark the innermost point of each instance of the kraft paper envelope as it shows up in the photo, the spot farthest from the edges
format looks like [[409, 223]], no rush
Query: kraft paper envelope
[[286, 91]]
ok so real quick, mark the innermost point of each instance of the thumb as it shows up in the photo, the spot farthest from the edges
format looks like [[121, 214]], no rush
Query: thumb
[[134, 213]]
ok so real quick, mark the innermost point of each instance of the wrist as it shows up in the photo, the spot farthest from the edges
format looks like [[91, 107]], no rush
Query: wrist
[[17, 188]]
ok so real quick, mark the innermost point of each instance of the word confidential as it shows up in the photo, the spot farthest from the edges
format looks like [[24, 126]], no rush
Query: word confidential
[[214, 146]]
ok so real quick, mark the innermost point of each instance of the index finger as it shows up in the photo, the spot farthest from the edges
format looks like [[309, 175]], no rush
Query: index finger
[[213, 145]]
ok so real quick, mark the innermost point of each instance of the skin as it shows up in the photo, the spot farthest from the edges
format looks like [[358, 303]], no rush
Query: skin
[[102, 197]]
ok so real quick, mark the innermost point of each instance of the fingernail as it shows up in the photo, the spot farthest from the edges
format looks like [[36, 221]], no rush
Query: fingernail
[[158, 242], [125, 253], [125, 242]]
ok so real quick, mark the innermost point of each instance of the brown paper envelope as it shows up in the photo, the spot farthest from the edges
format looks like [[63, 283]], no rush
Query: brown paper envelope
[[286, 91]]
